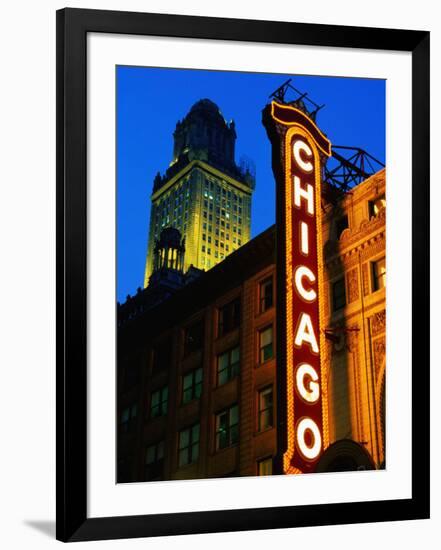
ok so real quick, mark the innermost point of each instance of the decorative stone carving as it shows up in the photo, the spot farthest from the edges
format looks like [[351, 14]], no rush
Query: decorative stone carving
[[365, 278], [378, 322], [353, 292], [379, 355]]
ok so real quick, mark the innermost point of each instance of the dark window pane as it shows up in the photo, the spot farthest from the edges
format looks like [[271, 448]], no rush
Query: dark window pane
[[266, 344], [340, 225], [229, 317], [266, 294], [228, 364], [194, 337], [338, 294], [379, 274]]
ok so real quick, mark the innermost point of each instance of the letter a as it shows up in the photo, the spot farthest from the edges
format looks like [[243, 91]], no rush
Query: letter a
[[305, 333]]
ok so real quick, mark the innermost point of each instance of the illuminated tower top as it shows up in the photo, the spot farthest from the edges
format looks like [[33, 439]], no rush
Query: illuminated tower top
[[203, 193]]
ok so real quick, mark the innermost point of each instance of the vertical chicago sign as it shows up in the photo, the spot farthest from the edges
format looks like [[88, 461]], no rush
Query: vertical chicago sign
[[298, 149]]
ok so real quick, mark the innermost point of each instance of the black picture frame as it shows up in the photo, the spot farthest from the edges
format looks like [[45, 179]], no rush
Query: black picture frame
[[71, 510]]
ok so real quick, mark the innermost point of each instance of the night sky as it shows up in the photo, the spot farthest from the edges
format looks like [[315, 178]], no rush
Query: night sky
[[149, 103]]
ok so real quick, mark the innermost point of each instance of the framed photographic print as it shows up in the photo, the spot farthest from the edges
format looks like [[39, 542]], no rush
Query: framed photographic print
[[228, 306]]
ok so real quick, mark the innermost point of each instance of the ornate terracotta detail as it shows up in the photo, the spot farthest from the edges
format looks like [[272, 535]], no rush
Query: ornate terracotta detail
[[353, 292], [365, 278], [378, 322], [379, 355]]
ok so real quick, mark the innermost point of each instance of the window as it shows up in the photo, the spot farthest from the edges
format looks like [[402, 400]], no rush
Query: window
[[189, 445], [379, 274], [266, 294], [265, 415], [128, 418], [266, 350], [192, 385], [159, 402], [162, 356], [340, 225], [194, 337], [228, 364], [227, 427], [338, 294], [265, 467], [376, 205], [131, 375], [154, 462], [229, 317]]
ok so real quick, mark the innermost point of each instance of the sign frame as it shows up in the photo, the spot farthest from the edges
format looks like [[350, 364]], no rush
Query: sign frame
[[73, 25]]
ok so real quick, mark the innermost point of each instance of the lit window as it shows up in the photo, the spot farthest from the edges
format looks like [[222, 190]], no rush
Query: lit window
[[192, 385], [189, 445], [266, 350], [228, 364], [376, 205], [227, 427], [159, 402], [266, 294], [265, 418], [379, 274], [265, 467], [338, 294]]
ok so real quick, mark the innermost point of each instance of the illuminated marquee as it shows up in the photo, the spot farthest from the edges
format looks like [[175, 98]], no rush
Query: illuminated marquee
[[298, 146]]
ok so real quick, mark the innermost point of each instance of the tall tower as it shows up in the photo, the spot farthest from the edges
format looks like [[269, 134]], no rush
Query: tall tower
[[203, 193]]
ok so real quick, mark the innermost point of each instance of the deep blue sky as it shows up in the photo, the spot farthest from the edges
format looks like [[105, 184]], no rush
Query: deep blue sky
[[149, 103]]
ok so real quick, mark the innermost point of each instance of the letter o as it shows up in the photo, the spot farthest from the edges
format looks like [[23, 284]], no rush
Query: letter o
[[309, 452]]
